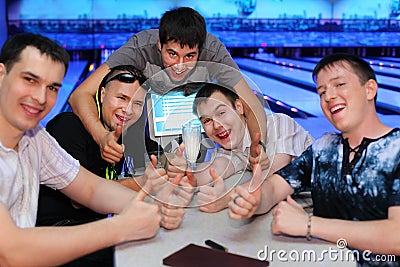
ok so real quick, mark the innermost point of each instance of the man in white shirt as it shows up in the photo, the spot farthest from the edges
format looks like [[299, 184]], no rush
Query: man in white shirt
[[32, 68], [221, 113]]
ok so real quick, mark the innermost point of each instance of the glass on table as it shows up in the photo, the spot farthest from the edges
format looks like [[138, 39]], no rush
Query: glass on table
[[191, 135]]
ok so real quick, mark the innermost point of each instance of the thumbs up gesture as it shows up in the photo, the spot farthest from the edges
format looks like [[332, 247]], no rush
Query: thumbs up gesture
[[245, 199], [138, 220], [176, 162], [213, 197], [172, 203], [111, 151], [257, 153]]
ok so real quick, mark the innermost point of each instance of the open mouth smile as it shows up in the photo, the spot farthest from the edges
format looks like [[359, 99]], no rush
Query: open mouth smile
[[337, 108]]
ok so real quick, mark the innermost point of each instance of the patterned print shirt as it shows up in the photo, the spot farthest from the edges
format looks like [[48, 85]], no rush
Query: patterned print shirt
[[360, 190]]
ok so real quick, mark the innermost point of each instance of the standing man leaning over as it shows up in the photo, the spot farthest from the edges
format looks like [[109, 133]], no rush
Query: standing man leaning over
[[32, 68], [181, 39]]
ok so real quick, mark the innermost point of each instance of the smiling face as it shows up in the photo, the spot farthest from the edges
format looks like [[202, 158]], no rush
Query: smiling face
[[222, 122], [343, 99], [177, 60], [28, 91], [122, 103]]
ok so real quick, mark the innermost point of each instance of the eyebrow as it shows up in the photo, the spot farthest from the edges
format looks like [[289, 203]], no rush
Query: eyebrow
[[131, 99], [330, 80], [137, 101], [215, 109], [191, 54], [125, 95], [172, 50], [39, 78]]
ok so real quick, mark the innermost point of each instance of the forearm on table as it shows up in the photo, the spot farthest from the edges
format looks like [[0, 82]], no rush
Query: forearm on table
[[378, 236], [52, 246], [269, 197], [110, 197], [222, 166], [274, 189], [101, 195]]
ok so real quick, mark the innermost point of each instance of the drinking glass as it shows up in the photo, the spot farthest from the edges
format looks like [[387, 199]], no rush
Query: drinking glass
[[191, 135]]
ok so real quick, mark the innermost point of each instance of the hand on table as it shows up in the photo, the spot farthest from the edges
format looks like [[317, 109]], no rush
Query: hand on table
[[244, 202], [157, 176], [289, 218], [111, 151], [185, 191], [138, 220], [172, 199], [213, 197]]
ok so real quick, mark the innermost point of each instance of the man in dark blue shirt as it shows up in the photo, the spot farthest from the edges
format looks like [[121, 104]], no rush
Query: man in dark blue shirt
[[354, 175]]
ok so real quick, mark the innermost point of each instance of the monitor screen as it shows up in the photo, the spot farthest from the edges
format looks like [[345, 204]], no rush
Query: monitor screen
[[167, 113]]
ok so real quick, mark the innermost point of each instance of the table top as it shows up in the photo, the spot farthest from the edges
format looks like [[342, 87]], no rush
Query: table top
[[249, 238]]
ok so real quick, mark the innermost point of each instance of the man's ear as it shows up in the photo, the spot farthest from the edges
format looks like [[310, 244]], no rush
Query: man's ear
[[102, 93], [159, 44], [3, 72], [372, 87], [239, 106]]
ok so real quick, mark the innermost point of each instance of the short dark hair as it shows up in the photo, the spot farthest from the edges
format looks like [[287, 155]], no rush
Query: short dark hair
[[360, 67], [184, 25], [205, 90], [138, 75], [13, 47]]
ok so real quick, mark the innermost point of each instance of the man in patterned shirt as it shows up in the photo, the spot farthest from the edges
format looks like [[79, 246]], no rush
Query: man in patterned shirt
[[354, 175]]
